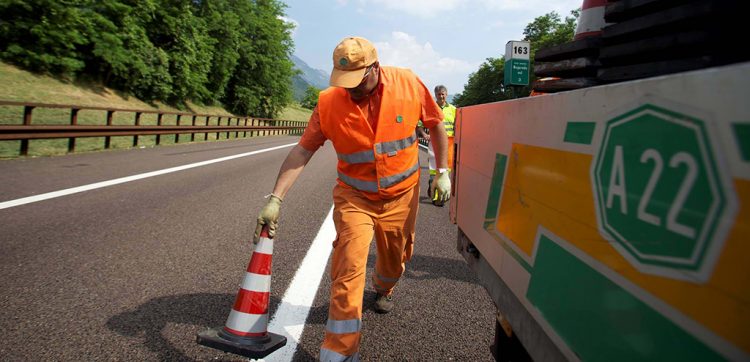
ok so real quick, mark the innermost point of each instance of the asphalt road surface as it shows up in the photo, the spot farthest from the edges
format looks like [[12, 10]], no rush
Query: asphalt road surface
[[133, 269]]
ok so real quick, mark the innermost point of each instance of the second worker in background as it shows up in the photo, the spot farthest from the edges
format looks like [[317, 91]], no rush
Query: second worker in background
[[369, 114], [449, 121]]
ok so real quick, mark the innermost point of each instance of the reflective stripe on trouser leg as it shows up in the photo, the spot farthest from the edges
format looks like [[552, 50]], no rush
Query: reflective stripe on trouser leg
[[353, 216], [394, 236]]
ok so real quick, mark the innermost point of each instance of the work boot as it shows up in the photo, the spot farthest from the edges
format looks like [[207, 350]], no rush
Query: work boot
[[383, 303]]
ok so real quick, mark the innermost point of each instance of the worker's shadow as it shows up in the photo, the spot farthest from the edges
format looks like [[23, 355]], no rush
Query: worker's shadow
[[205, 310], [422, 267]]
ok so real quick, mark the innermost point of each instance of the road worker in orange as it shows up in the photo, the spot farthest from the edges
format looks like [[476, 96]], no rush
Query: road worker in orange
[[369, 113]]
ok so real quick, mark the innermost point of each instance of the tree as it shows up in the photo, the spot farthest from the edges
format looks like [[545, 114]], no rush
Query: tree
[[223, 26], [43, 35], [233, 51], [260, 85], [310, 101], [549, 30], [486, 84]]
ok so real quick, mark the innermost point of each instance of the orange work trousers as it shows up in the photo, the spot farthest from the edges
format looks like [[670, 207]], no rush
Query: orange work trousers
[[357, 220]]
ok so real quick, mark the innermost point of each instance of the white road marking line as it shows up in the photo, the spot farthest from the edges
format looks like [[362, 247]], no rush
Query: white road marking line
[[97, 185], [289, 319]]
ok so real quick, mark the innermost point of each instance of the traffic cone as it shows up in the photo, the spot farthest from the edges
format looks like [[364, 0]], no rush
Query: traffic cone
[[591, 20], [246, 330]]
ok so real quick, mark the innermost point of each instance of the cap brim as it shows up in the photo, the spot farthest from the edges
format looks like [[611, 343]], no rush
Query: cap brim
[[347, 78]]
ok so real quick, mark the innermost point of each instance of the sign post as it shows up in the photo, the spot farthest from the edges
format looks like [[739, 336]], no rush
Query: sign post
[[517, 63]]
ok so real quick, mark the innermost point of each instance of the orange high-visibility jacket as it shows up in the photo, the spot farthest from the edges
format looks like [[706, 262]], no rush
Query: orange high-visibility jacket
[[381, 165]]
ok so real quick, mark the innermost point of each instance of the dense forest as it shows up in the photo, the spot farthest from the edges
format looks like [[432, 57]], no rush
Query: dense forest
[[230, 52]]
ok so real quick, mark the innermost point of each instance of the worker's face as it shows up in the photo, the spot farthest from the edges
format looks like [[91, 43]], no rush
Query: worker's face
[[368, 84], [441, 97]]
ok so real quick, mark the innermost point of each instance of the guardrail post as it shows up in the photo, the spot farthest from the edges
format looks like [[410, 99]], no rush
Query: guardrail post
[[244, 134], [26, 122], [73, 122], [205, 135], [229, 124], [237, 133], [137, 123], [109, 123], [177, 135], [192, 134], [218, 134], [158, 123]]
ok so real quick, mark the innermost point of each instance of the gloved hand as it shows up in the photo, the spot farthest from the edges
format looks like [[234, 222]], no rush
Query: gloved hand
[[442, 187], [269, 216]]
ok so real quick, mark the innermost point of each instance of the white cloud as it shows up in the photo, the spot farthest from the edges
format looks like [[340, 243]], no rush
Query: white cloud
[[403, 50], [292, 22]]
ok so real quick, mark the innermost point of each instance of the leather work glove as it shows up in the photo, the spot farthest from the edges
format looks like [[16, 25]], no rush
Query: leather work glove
[[442, 187], [269, 216]]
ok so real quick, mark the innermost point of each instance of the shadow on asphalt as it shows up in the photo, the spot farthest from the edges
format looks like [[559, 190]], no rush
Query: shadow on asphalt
[[205, 310], [422, 267]]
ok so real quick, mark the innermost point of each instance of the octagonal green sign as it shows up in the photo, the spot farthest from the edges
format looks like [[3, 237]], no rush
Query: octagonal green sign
[[659, 193]]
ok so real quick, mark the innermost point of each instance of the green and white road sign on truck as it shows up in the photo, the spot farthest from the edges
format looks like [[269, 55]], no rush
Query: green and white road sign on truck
[[660, 195]]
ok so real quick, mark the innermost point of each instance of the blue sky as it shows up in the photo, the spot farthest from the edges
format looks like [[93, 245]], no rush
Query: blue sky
[[442, 41]]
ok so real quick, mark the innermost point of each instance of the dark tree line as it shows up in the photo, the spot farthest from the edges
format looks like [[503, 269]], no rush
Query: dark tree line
[[486, 84], [233, 52]]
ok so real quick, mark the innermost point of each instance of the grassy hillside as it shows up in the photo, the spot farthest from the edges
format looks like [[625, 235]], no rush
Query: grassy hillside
[[23, 86]]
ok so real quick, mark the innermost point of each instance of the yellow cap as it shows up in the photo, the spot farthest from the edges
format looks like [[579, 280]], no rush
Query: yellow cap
[[350, 60]]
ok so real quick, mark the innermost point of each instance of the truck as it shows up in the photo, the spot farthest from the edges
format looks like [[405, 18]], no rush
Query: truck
[[612, 222]]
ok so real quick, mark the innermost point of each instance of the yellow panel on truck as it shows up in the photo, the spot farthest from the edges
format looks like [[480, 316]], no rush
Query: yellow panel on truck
[[613, 223]]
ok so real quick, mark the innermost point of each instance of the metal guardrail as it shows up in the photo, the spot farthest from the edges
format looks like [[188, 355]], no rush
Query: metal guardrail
[[26, 131]]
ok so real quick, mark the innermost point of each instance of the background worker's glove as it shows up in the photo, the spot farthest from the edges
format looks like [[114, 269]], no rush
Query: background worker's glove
[[442, 187], [269, 216]]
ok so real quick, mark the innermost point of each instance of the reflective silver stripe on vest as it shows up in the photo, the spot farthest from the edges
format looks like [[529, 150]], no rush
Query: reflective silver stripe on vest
[[390, 147], [345, 326], [357, 157], [394, 179], [362, 185], [397, 145], [326, 355]]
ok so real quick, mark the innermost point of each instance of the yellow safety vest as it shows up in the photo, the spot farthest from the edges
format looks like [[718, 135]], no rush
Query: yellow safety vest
[[449, 111]]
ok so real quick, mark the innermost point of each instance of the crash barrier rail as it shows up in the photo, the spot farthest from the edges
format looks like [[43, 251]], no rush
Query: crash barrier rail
[[117, 123]]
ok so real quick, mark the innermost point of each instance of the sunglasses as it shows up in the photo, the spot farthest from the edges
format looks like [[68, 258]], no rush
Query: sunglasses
[[364, 77]]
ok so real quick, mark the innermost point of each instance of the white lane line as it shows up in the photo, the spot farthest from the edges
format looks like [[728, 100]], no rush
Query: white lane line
[[97, 185], [289, 319]]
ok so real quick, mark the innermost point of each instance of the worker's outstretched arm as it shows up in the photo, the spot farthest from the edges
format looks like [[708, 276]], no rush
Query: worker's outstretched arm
[[291, 168], [439, 140]]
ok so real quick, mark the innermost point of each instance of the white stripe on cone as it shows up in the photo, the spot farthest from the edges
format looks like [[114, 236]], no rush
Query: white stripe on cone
[[245, 322], [591, 20], [265, 246], [256, 282]]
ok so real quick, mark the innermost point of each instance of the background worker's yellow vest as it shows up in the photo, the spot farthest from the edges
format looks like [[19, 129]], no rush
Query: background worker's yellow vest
[[449, 120]]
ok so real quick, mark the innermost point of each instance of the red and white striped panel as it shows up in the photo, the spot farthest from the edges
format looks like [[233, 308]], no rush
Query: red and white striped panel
[[249, 315], [591, 20]]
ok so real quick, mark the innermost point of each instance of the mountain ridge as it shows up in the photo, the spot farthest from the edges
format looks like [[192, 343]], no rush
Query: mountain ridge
[[308, 76]]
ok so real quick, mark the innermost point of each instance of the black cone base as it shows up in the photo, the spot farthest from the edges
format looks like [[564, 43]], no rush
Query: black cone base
[[251, 347]]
